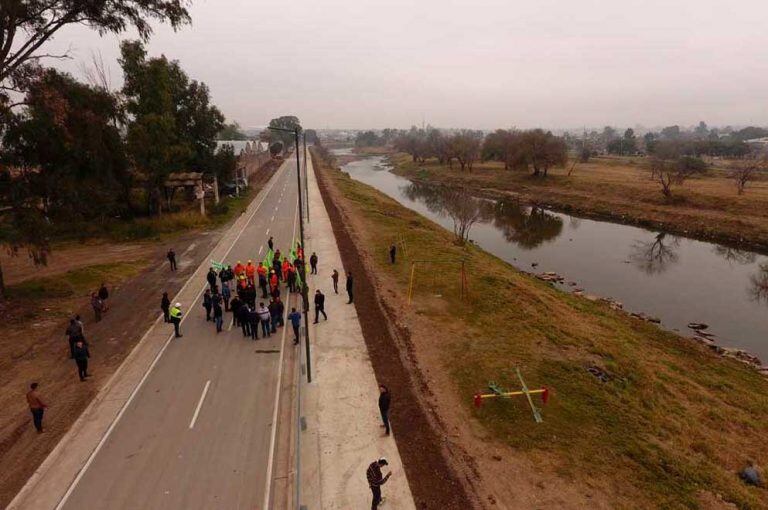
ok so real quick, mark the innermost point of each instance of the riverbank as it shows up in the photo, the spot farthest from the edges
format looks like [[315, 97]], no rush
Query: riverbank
[[619, 190], [638, 417]]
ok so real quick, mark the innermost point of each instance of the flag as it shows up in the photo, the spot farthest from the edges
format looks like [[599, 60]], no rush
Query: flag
[[217, 265], [268, 259]]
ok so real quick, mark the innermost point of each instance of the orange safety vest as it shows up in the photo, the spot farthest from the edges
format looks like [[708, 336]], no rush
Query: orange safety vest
[[239, 269], [262, 270], [250, 270]]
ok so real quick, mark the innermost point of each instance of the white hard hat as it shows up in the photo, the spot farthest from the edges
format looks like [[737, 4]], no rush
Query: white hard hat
[[178, 305]]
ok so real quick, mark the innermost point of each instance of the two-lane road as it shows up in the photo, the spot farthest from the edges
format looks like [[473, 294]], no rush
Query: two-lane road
[[199, 433]]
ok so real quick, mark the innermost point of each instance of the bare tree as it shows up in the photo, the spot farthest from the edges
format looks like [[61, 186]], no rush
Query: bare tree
[[456, 203], [655, 256], [746, 170], [759, 284], [465, 145], [97, 74]]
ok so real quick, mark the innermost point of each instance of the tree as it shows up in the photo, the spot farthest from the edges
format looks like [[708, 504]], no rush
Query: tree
[[670, 132], [501, 145], [231, 131], [289, 122], [26, 25], [367, 139], [669, 167], [456, 203], [540, 150], [701, 131], [224, 163], [311, 136], [412, 142], [746, 170], [465, 145]]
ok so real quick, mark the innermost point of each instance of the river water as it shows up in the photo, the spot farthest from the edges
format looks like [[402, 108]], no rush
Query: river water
[[676, 279]]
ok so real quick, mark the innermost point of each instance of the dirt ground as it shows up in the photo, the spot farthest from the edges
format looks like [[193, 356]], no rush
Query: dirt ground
[[34, 347]]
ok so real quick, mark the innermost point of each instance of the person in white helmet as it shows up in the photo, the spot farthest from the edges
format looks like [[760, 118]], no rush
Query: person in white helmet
[[175, 314]]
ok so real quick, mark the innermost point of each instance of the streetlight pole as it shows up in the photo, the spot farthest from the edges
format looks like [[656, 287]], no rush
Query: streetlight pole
[[306, 176], [305, 288]]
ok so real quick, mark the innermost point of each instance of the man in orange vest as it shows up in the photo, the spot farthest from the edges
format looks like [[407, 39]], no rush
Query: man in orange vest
[[250, 272], [273, 281], [239, 269], [261, 270]]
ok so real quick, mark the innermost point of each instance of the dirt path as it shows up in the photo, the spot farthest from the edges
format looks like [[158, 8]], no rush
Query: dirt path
[[34, 348]]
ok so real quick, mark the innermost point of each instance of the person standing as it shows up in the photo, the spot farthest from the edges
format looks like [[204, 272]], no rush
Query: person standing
[[277, 316], [313, 263], [226, 294], [171, 256], [97, 305], [376, 480], [207, 304], [265, 318], [384, 400], [263, 285], [211, 277], [175, 314], [335, 278], [81, 359], [104, 296], [244, 317], [234, 307], [250, 272], [295, 318], [165, 306], [392, 253], [36, 406], [271, 243], [291, 279], [350, 287], [319, 305], [218, 316], [75, 333]]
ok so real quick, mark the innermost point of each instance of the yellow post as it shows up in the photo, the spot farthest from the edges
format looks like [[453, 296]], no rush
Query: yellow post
[[410, 283]]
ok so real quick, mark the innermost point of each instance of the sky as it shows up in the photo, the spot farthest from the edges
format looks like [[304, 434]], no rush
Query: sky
[[480, 64]]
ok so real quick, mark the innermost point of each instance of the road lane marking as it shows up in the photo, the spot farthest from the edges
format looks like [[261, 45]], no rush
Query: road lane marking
[[273, 435], [138, 387], [267, 232], [261, 248], [231, 323], [272, 218], [200, 404]]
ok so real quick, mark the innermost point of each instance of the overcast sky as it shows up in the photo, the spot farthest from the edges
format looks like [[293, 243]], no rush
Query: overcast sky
[[471, 63]]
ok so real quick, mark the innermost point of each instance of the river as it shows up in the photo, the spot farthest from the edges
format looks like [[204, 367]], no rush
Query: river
[[676, 279]]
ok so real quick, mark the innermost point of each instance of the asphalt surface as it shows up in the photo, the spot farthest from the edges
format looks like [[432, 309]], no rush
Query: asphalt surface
[[199, 433]]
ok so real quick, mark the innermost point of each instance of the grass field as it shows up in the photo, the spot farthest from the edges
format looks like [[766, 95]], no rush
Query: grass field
[[668, 428], [620, 189]]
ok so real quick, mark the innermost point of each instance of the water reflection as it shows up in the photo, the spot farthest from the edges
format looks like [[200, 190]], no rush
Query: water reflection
[[528, 227], [734, 255], [655, 256], [759, 284], [455, 203]]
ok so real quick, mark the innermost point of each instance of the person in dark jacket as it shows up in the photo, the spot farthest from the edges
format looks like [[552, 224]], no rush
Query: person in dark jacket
[[98, 306], [226, 294], [335, 278], [384, 400], [350, 287], [211, 277], [254, 318], [104, 295], [171, 255], [392, 253], [36, 407], [277, 309], [244, 317], [81, 359], [376, 480], [263, 286], [319, 305], [234, 307], [75, 333], [313, 263], [207, 304], [295, 318], [271, 243], [218, 316], [165, 306]]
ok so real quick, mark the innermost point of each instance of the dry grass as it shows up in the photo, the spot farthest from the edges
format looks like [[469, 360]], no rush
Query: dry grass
[[620, 189], [669, 428]]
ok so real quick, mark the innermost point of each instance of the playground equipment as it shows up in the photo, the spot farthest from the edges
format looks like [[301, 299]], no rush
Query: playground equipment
[[498, 392]]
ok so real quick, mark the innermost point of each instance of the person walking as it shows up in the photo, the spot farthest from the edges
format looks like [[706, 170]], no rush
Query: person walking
[[271, 243], [335, 278], [244, 318], [207, 304], [104, 295], [319, 305], [165, 306], [226, 294], [376, 480], [171, 256], [211, 277], [234, 307], [384, 400], [36, 406], [291, 279], [295, 318], [175, 314], [313, 263], [263, 285], [265, 318], [81, 359], [350, 287], [97, 305], [74, 333], [392, 253], [218, 316]]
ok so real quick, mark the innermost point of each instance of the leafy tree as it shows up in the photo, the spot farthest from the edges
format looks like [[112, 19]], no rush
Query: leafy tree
[[231, 131], [540, 150], [465, 145], [289, 122], [224, 163], [26, 25], [701, 131], [311, 136], [367, 139], [750, 132], [413, 142], [670, 133]]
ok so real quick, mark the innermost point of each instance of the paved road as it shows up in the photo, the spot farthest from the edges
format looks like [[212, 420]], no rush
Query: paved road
[[155, 458]]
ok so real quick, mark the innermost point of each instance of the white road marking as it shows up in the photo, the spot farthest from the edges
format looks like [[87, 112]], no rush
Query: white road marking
[[267, 232], [199, 404], [261, 248], [272, 218], [135, 391], [273, 436], [231, 323]]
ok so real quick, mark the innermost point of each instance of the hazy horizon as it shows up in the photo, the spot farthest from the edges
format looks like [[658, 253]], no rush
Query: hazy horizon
[[482, 65]]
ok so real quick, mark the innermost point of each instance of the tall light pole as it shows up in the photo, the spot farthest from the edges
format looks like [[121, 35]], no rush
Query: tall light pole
[[304, 288]]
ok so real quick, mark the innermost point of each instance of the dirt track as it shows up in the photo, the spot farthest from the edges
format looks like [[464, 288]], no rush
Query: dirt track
[[36, 349], [433, 476]]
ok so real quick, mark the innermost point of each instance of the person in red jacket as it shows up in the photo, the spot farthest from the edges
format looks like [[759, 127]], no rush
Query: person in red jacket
[[273, 281], [261, 270], [239, 268], [250, 272]]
